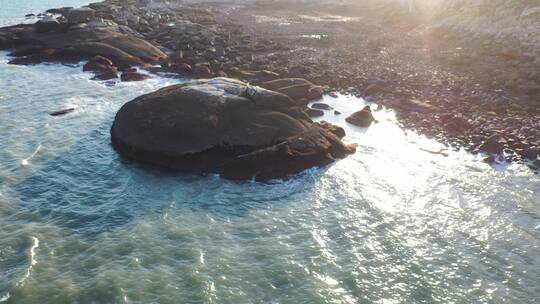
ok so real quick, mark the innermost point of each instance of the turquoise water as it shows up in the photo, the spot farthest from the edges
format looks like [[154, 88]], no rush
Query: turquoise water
[[393, 223]]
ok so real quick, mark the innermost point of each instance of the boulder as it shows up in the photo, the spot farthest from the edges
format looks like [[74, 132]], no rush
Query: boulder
[[296, 88], [363, 118], [224, 126], [133, 76], [98, 63], [80, 15], [493, 144], [321, 106], [122, 45], [47, 24]]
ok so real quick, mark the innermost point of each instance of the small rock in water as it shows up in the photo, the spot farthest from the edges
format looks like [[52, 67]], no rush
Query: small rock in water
[[489, 159], [362, 118], [321, 106], [62, 112], [133, 76], [336, 112]]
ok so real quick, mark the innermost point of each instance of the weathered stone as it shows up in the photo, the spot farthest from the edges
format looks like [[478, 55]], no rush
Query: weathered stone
[[296, 88], [133, 76], [493, 144], [362, 118], [321, 106], [224, 126], [80, 15], [47, 24]]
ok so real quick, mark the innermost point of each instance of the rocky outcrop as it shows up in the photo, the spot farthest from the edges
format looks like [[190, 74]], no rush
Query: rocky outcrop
[[51, 41], [362, 118], [80, 15], [227, 127]]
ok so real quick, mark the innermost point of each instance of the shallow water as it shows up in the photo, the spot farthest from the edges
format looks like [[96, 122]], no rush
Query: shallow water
[[393, 223]]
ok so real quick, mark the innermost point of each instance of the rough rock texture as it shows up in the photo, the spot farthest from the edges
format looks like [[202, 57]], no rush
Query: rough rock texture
[[362, 118], [49, 40], [296, 88], [80, 15], [224, 126]]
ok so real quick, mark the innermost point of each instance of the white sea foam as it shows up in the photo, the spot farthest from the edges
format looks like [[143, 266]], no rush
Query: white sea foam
[[33, 261], [26, 161]]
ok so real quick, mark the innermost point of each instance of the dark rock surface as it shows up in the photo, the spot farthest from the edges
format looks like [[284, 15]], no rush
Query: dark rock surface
[[362, 118], [81, 38], [224, 126], [321, 106]]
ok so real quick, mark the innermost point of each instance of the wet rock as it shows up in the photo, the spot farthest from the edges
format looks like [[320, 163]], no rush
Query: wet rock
[[489, 159], [530, 153], [455, 123], [313, 113], [62, 112], [133, 76], [321, 106], [59, 11], [47, 24], [295, 88], [337, 130], [336, 112], [223, 126], [109, 74], [80, 15], [183, 69], [493, 144], [333, 94], [98, 63], [373, 89], [202, 70], [363, 118], [121, 45]]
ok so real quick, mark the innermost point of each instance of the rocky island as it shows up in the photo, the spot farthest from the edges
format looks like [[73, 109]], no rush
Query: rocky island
[[227, 127]]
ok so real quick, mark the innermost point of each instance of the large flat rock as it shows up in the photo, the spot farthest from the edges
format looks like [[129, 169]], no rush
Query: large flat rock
[[227, 127]]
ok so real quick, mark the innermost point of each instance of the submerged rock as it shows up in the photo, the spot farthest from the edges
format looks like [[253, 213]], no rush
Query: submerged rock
[[227, 127], [362, 118]]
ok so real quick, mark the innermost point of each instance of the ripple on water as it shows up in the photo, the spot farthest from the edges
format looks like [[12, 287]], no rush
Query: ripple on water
[[392, 223]]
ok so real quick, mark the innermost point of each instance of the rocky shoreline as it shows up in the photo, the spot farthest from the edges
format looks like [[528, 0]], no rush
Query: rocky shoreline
[[479, 94]]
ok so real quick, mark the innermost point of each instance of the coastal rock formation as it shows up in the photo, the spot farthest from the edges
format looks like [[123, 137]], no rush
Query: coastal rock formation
[[362, 118], [227, 127], [50, 41], [297, 89]]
